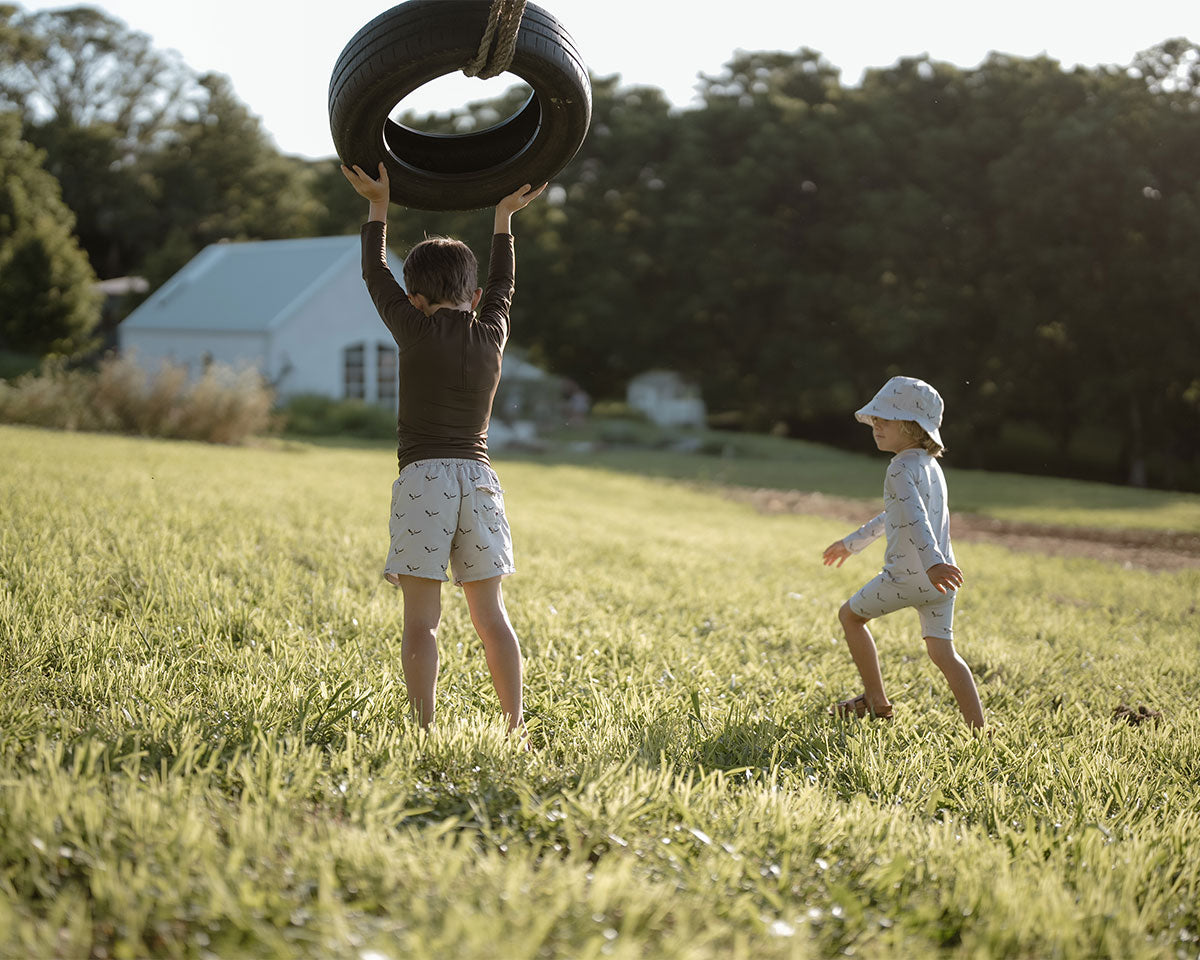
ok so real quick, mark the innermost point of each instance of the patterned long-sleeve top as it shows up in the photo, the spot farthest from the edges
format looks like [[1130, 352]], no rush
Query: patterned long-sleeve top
[[915, 518]]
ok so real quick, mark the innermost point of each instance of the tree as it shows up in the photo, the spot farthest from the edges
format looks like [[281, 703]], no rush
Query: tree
[[47, 300], [80, 68], [218, 176], [98, 99], [1100, 254], [763, 184]]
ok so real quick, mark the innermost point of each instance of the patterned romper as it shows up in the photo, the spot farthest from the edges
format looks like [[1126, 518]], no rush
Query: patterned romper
[[917, 523]]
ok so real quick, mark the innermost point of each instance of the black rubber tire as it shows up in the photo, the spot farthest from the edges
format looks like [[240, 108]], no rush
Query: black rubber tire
[[420, 40]]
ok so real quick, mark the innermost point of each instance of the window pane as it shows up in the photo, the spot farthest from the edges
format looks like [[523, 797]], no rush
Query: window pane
[[385, 372], [355, 371]]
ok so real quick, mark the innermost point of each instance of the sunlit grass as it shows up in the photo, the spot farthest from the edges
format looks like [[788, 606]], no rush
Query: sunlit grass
[[778, 463], [204, 748]]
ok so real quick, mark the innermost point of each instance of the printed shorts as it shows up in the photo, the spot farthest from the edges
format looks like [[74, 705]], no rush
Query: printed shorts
[[448, 511], [885, 595]]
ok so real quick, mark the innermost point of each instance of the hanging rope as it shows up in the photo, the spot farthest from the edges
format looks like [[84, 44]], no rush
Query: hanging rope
[[499, 42]]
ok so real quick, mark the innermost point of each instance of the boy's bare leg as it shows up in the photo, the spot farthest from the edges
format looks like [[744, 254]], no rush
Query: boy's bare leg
[[485, 600], [866, 657], [418, 648], [958, 675]]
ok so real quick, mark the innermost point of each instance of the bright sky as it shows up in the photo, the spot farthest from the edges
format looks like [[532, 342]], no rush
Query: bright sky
[[279, 54]]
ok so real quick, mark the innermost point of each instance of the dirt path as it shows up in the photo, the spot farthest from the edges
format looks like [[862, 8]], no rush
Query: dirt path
[[1133, 549]]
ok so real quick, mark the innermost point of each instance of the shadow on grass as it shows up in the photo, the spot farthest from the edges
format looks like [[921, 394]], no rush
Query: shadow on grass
[[811, 741]]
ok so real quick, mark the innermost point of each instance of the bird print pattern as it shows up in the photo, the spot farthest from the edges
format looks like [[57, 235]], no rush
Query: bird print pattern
[[915, 517], [467, 529]]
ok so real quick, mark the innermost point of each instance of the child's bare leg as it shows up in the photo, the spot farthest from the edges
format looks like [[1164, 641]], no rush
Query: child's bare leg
[[418, 648], [866, 657], [958, 675], [485, 600]]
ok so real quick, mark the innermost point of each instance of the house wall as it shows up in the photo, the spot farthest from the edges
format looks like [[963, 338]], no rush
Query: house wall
[[307, 346], [193, 349], [303, 349]]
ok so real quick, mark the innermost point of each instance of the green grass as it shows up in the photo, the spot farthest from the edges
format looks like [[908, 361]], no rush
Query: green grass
[[778, 463], [204, 749]]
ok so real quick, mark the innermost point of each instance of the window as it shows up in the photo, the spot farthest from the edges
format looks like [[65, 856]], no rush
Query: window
[[354, 371], [385, 373]]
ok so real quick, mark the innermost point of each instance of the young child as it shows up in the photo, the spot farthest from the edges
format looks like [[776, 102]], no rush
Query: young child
[[919, 571], [447, 505]]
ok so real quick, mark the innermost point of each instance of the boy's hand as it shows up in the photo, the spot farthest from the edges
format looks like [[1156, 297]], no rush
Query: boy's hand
[[836, 553], [515, 201], [519, 199], [945, 577], [376, 191]]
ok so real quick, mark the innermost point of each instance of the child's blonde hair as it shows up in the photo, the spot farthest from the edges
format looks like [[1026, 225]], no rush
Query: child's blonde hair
[[915, 432]]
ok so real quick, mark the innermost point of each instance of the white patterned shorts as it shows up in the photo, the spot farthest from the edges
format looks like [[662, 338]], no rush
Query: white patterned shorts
[[448, 511], [885, 595]]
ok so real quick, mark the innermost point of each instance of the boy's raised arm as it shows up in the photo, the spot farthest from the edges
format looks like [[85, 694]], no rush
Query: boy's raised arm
[[390, 299]]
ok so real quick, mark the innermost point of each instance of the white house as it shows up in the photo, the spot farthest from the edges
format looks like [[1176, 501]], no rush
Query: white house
[[297, 310], [666, 399]]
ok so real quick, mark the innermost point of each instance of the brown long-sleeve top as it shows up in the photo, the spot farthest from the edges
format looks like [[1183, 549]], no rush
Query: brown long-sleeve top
[[450, 362]]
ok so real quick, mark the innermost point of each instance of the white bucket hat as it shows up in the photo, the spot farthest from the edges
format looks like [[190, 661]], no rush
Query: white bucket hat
[[907, 398]]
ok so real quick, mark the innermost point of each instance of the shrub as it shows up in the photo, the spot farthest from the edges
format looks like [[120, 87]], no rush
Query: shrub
[[313, 415], [616, 410], [222, 406]]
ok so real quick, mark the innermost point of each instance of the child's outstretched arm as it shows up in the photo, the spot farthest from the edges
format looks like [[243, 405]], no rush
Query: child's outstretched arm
[[868, 533], [376, 192], [515, 201]]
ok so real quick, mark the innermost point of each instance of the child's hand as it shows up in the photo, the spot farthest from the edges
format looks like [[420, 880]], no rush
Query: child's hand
[[836, 553], [945, 577], [519, 199], [377, 191]]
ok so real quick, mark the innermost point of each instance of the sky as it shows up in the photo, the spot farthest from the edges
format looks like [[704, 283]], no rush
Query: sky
[[279, 54]]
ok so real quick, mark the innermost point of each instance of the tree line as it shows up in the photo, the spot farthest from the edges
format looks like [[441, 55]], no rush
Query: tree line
[[1020, 235]]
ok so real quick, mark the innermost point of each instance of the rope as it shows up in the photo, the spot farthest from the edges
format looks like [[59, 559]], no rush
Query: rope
[[499, 42]]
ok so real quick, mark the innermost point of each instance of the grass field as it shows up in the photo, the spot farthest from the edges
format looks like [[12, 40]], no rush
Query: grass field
[[763, 461], [204, 749]]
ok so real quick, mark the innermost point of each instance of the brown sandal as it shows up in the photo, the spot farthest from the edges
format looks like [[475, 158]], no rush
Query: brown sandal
[[858, 707]]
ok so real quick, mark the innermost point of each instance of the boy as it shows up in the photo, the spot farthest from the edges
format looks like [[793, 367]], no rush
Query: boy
[[447, 505], [919, 571]]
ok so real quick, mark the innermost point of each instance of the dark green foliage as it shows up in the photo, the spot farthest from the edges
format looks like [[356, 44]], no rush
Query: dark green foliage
[[46, 299], [13, 365], [98, 98]]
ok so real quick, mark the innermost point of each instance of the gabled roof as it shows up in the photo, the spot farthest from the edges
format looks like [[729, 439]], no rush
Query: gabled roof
[[244, 287]]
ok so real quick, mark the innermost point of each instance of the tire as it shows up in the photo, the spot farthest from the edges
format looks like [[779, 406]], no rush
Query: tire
[[420, 40]]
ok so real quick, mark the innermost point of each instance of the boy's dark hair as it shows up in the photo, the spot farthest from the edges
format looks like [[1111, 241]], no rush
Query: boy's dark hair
[[442, 270]]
